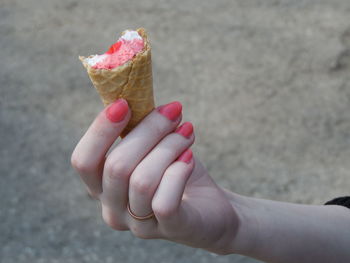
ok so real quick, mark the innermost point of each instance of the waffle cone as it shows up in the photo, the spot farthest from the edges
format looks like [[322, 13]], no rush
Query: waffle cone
[[131, 81]]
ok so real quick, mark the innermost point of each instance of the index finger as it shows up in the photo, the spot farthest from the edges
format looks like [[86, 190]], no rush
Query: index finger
[[89, 155]]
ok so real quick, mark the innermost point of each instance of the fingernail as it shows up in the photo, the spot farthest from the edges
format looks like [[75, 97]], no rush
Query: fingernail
[[185, 129], [117, 111], [172, 110], [186, 156]]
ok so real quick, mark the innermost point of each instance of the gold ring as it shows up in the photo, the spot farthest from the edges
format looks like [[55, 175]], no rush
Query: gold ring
[[139, 217]]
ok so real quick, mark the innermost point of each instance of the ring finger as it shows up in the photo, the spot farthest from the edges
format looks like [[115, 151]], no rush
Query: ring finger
[[148, 174]]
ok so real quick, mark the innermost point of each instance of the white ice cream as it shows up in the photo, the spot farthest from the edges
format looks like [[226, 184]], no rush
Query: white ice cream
[[130, 35], [93, 60]]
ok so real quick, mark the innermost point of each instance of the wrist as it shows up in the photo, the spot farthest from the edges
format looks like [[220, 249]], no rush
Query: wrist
[[246, 239]]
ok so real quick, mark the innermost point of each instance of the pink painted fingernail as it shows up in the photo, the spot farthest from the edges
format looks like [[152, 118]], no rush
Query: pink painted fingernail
[[186, 156], [185, 129], [172, 110], [117, 111]]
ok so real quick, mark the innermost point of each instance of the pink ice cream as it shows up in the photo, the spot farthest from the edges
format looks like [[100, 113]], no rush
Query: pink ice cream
[[119, 53]]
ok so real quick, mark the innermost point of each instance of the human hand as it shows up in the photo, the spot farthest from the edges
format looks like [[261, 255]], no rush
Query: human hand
[[153, 170]]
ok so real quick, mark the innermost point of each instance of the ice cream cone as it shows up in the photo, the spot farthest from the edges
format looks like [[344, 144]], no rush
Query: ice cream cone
[[131, 81]]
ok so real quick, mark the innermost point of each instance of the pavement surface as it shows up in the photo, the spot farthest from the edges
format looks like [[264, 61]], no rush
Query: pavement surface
[[266, 84]]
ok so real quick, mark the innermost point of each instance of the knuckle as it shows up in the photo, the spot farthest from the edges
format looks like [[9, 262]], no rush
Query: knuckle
[[141, 185], [93, 194], [116, 169], [112, 221], [162, 211], [141, 232], [82, 166]]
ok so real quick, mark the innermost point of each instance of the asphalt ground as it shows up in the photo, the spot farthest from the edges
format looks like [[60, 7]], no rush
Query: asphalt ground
[[266, 84]]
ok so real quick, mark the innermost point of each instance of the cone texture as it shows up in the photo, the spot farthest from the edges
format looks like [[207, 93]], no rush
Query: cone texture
[[131, 81]]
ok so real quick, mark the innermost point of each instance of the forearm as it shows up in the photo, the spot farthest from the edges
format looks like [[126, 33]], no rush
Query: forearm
[[284, 232]]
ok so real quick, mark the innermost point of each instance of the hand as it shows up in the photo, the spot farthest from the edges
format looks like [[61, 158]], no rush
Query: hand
[[154, 170]]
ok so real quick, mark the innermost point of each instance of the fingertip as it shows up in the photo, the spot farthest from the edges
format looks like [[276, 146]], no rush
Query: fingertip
[[186, 156], [186, 129], [117, 111], [171, 111]]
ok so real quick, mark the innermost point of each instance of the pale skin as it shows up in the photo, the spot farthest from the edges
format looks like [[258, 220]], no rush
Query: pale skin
[[189, 207]]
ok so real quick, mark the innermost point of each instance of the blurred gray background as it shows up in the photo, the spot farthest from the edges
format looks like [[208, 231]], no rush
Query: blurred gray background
[[266, 84]]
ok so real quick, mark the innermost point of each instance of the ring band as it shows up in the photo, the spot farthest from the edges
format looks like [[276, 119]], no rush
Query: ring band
[[139, 217]]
